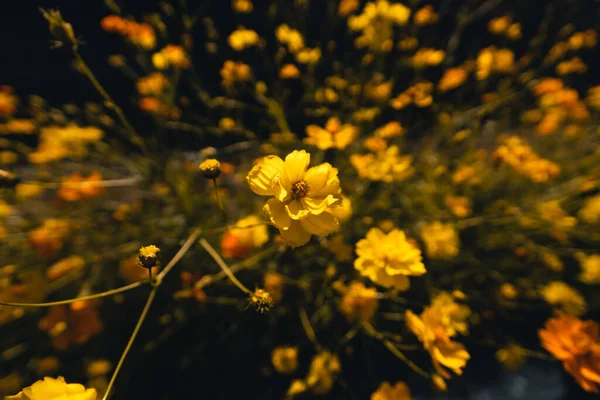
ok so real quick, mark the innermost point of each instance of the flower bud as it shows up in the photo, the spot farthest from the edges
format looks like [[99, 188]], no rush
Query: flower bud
[[148, 257], [61, 31], [211, 168]]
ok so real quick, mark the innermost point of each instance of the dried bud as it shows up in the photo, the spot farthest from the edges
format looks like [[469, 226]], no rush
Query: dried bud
[[211, 168], [61, 31], [261, 300], [148, 257]]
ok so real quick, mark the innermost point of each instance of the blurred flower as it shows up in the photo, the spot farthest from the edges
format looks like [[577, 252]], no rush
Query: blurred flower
[[234, 72], [334, 135], [141, 35], [274, 284], [243, 38], [285, 359], [77, 187], [387, 165], [425, 16], [347, 7], [512, 356], [390, 130], [564, 298], [426, 57], [152, 85], [290, 37], [242, 6], [358, 302], [49, 237], [459, 205], [171, 55], [8, 101], [516, 153], [301, 195], [453, 315], [249, 233], [552, 212], [492, 59], [343, 210], [386, 391], [309, 56], [55, 389], [441, 240], [289, 71], [376, 23], [452, 78], [322, 372], [388, 260], [590, 211], [58, 142], [572, 66], [65, 267], [590, 269], [577, 344], [71, 325]]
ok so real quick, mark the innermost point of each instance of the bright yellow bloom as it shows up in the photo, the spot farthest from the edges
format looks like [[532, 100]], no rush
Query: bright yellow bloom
[[452, 78], [590, 212], [388, 260], [386, 391], [55, 389], [491, 60], [323, 369], [58, 142], [334, 135], [590, 266], [347, 7], [301, 195], [427, 57], [243, 38], [290, 37], [573, 66], [171, 56], [387, 165], [389, 130], [441, 240], [564, 298], [444, 352], [309, 56], [552, 212]]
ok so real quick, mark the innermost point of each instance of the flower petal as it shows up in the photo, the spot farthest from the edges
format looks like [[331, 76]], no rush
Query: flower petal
[[295, 211], [321, 225], [296, 235], [261, 176], [318, 205], [275, 214], [296, 164]]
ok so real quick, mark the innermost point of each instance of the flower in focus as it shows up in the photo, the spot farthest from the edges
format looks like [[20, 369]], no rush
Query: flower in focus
[[249, 233], [301, 196], [564, 298], [387, 165], [74, 324], [334, 135], [55, 389], [388, 260], [358, 302], [577, 344], [285, 359], [441, 240], [436, 338], [386, 391]]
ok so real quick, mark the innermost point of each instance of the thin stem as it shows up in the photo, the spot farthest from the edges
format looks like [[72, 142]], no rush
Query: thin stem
[[213, 253], [184, 249], [131, 340], [393, 349], [150, 277], [307, 326], [82, 298], [134, 137], [216, 189]]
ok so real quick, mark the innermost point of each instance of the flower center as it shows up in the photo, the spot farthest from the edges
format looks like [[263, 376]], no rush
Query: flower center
[[300, 189]]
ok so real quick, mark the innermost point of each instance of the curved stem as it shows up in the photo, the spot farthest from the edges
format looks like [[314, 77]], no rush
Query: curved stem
[[82, 298], [213, 253], [184, 249], [131, 340]]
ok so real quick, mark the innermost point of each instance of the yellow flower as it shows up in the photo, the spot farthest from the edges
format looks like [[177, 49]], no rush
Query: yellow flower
[[358, 302], [233, 72], [5, 209], [171, 56], [590, 266], [334, 135], [309, 56], [564, 297], [289, 71], [425, 16], [301, 195], [427, 57], [152, 85], [389, 130], [444, 352], [323, 369], [285, 359], [376, 24], [492, 59], [242, 6], [521, 157], [386, 391], [55, 389], [290, 37], [459, 205], [249, 233], [454, 315], [452, 78], [441, 240], [387, 165], [243, 38], [347, 7], [590, 212], [343, 211], [388, 260]]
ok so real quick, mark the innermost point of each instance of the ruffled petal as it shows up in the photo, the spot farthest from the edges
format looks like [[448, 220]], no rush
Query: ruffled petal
[[276, 214], [295, 211], [296, 164], [261, 176], [318, 205], [296, 235], [321, 225]]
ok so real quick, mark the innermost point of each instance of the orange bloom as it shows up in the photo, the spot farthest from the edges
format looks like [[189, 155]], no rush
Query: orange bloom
[[577, 344], [71, 325], [76, 187], [49, 237], [8, 102]]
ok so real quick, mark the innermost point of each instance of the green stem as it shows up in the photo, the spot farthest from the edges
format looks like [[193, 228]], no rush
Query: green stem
[[213, 253]]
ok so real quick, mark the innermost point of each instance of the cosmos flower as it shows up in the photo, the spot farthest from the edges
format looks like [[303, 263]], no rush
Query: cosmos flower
[[55, 389]]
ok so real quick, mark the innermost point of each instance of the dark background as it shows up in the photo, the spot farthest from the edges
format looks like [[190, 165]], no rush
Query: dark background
[[223, 366]]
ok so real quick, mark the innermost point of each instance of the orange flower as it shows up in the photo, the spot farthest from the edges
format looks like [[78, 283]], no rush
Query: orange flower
[[71, 325], [8, 102], [76, 187], [49, 237], [577, 344]]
